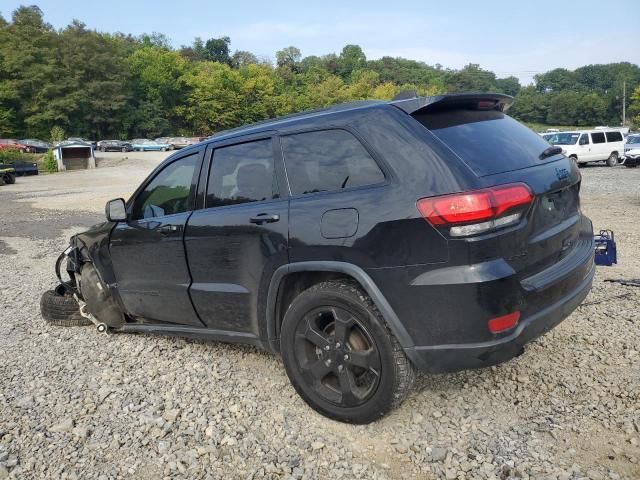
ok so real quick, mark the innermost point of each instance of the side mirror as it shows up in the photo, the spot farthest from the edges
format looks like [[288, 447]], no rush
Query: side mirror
[[115, 210]]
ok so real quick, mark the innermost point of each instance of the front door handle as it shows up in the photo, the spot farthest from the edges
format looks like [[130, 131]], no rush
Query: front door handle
[[166, 229], [264, 218]]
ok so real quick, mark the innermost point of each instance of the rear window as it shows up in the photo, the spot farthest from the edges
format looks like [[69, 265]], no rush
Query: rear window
[[488, 141], [614, 137]]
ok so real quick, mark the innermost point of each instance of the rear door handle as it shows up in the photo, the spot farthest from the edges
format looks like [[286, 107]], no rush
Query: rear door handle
[[264, 218], [166, 229]]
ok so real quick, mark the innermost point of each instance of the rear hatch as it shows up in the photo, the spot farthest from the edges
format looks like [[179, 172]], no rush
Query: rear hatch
[[551, 237]]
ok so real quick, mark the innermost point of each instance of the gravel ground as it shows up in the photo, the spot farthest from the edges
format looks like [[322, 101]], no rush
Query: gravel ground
[[76, 404]]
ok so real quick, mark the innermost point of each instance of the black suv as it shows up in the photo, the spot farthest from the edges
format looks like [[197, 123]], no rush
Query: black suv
[[362, 242]]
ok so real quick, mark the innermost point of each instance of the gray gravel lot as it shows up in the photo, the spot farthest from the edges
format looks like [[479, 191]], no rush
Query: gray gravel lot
[[75, 404]]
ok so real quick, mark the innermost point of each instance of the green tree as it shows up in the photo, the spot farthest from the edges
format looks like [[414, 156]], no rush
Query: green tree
[[288, 57], [634, 110], [471, 78], [351, 59], [242, 58], [217, 50], [509, 85]]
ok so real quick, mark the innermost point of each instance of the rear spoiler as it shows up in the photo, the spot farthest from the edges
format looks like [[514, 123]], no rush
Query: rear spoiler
[[476, 101]]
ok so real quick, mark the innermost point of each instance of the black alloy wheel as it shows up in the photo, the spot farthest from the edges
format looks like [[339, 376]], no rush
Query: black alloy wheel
[[340, 356]]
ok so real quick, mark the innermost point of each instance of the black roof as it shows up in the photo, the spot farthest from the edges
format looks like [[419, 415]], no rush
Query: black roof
[[408, 105]]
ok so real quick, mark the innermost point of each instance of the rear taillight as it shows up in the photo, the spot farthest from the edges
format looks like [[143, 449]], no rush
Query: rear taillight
[[478, 211]]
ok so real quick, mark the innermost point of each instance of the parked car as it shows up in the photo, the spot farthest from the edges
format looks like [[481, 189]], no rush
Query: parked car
[[35, 145], [177, 142], [12, 143], [114, 146], [145, 144], [586, 146], [631, 156], [432, 234], [21, 167]]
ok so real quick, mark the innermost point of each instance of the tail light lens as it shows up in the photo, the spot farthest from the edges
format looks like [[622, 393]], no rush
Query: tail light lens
[[478, 211]]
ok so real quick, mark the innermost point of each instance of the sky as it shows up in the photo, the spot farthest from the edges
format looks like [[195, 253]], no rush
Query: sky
[[509, 37]]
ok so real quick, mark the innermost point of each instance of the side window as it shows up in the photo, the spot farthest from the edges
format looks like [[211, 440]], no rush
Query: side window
[[169, 192], [584, 139], [242, 173], [328, 160], [614, 137], [597, 137]]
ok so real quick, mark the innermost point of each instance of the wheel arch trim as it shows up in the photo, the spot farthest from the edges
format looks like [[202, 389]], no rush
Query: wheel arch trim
[[357, 273]]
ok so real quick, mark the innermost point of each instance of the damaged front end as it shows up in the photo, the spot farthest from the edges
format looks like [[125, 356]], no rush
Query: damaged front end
[[94, 295]]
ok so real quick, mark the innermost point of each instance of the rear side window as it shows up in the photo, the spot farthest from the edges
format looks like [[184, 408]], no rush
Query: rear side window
[[597, 137], [614, 137], [241, 174], [488, 141], [328, 160]]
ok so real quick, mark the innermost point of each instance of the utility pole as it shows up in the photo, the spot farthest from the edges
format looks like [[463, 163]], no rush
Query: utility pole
[[624, 102]]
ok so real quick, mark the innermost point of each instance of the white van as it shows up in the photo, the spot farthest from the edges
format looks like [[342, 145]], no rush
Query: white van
[[590, 145]]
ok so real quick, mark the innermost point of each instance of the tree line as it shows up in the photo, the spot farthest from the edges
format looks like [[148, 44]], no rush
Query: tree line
[[115, 85]]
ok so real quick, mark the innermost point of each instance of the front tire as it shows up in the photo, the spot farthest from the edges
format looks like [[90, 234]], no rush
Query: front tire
[[60, 309], [612, 161], [340, 356]]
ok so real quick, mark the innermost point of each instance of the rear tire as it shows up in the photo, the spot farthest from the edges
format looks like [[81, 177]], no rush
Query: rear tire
[[61, 309], [9, 178], [612, 161], [340, 356]]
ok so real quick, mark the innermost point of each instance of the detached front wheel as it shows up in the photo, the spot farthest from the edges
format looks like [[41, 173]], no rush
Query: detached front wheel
[[340, 356], [59, 308]]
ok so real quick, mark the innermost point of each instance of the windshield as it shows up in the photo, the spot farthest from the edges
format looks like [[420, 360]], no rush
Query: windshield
[[633, 140], [569, 138]]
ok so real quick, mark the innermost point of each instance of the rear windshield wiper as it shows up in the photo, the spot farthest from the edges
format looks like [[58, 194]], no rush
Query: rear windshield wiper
[[550, 152]]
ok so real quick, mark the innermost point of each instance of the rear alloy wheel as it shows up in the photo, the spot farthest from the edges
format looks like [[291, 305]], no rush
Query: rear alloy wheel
[[59, 308], [612, 161], [123, 149], [340, 356]]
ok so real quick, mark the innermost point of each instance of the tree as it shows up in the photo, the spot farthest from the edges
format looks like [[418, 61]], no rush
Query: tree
[[509, 85], [556, 80], [471, 78], [288, 57], [196, 52], [351, 59], [242, 58], [214, 98], [634, 109], [217, 50]]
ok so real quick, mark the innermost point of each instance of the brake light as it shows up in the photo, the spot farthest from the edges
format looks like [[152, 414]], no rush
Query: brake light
[[500, 324], [478, 211]]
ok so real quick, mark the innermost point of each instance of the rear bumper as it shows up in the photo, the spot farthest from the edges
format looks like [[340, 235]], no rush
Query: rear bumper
[[451, 358]]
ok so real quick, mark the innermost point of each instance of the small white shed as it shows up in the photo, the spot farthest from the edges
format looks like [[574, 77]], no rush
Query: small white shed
[[74, 156]]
